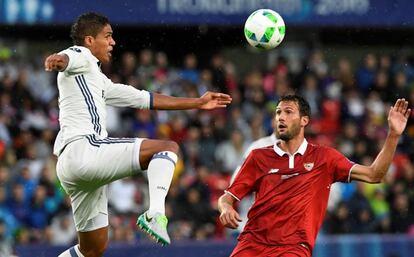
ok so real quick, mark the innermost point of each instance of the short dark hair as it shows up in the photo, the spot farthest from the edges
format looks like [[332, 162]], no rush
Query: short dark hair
[[87, 24], [304, 108]]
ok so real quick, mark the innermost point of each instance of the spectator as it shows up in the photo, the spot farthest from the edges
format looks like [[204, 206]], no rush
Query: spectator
[[339, 221], [18, 204], [366, 74], [402, 218], [189, 71], [348, 96], [62, 230], [121, 196], [230, 152]]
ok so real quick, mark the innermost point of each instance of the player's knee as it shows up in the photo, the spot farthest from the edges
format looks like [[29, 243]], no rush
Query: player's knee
[[171, 146]]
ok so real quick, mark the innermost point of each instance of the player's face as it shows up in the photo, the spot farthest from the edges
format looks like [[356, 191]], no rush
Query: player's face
[[289, 123], [102, 45]]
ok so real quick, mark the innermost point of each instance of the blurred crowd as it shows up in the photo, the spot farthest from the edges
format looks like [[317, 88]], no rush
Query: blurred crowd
[[349, 102]]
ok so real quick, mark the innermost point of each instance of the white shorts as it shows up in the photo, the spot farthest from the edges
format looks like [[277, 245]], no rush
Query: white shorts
[[85, 168]]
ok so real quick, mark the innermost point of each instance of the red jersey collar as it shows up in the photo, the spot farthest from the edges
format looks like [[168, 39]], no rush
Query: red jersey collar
[[301, 150]]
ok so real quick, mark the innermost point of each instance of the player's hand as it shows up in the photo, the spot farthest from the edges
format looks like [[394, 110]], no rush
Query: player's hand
[[398, 117], [212, 100], [56, 62], [229, 217]]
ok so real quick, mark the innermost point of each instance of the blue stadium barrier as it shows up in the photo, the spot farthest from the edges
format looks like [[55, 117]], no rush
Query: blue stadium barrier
[[327, 246], [181, 249], [365, 246]]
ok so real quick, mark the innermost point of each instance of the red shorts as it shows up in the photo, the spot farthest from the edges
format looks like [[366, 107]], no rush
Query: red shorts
[[249, 249]]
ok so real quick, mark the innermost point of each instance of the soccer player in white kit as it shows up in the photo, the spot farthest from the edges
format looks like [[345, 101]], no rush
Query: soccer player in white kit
[[246, 202], [88, 160]]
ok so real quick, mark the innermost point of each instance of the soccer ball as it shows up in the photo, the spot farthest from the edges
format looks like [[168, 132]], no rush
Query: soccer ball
[[264, 29]]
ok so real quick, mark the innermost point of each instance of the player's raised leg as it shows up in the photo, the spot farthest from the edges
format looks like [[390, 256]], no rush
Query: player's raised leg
[[91, 244], [159, 157]]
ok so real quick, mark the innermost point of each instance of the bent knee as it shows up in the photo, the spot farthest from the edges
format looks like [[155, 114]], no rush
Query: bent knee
[[171, 146]]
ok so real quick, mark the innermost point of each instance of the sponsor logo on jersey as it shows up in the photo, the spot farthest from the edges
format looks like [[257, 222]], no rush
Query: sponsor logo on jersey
[[289, 175], [273, 171], [75, 49]]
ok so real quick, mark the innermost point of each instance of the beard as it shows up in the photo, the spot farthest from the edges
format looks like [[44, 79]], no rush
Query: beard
[[290, 133]]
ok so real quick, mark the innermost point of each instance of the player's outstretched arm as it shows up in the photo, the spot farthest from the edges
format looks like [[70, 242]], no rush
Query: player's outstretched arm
[[56, 62], [229, 217], [397, 121], [208, 101]]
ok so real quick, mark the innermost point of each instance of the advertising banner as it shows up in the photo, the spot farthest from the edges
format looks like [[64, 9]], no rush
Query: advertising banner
[[211, 12]]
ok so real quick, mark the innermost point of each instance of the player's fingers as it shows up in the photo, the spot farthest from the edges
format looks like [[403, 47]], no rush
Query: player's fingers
[[222, 220], [237, 216], [407, 113], [225, 96], [228, 220], [225, 101], [217, 96], [225, 219], [230, 226], [405, 106], [220, 96], [47, 63], [233, 223], [399, 105], [235, 219], [390, 111], [52, 63], [222, 216]]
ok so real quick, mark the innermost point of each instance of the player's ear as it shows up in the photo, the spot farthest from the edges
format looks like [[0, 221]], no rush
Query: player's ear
[[304, 120], [88, 40]]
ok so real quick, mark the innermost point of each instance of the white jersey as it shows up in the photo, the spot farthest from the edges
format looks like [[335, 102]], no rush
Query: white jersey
[[84, 92], [259, 143], [247, 202]]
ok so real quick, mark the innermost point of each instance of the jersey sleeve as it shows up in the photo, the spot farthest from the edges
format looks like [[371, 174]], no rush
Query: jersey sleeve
[[121, 95], [78, 62], [245, 179], [341, 166]]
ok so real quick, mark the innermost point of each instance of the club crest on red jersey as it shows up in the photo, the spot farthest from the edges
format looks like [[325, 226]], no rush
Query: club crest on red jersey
[[308, 166]]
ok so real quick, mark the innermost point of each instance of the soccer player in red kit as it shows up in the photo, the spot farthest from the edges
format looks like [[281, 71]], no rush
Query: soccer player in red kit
[[292, 180]]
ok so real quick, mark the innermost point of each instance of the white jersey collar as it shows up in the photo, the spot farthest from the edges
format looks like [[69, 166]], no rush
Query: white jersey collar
[[301, 150]]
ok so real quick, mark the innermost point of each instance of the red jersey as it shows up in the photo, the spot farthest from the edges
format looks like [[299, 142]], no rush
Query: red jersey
[[291, 192]]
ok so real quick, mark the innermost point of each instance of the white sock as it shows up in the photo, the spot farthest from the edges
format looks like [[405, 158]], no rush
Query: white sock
[[72, 252], [160, 173]]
